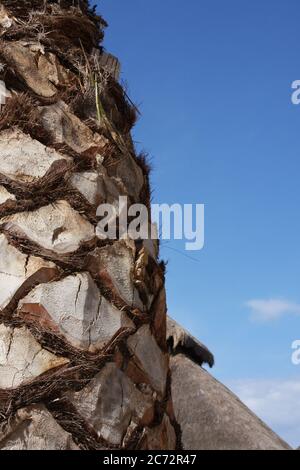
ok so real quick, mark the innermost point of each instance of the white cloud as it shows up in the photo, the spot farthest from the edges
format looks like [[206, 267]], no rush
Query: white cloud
[[271, 309], [276, 402]]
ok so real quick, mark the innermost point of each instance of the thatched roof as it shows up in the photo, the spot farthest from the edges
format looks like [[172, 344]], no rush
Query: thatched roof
[[211, 417], [180, 340]]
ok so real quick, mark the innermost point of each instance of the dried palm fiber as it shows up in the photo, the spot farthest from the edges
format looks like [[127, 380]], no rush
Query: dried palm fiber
[[91, 310]]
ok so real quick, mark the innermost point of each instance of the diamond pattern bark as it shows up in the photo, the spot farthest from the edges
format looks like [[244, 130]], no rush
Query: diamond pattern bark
[[83, 363]]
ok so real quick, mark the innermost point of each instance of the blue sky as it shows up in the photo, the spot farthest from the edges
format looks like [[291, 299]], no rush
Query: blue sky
[[213, 83]]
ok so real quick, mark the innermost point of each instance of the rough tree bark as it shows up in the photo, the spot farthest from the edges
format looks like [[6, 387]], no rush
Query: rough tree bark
[[83, 355]]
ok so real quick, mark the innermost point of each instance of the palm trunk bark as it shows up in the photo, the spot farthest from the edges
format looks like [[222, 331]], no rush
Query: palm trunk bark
[[83, 355]]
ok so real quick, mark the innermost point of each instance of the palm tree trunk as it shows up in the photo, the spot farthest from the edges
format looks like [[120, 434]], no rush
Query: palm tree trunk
[[83, 355]]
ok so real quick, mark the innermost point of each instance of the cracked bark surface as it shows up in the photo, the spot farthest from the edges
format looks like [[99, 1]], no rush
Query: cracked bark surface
[[83, 361]]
